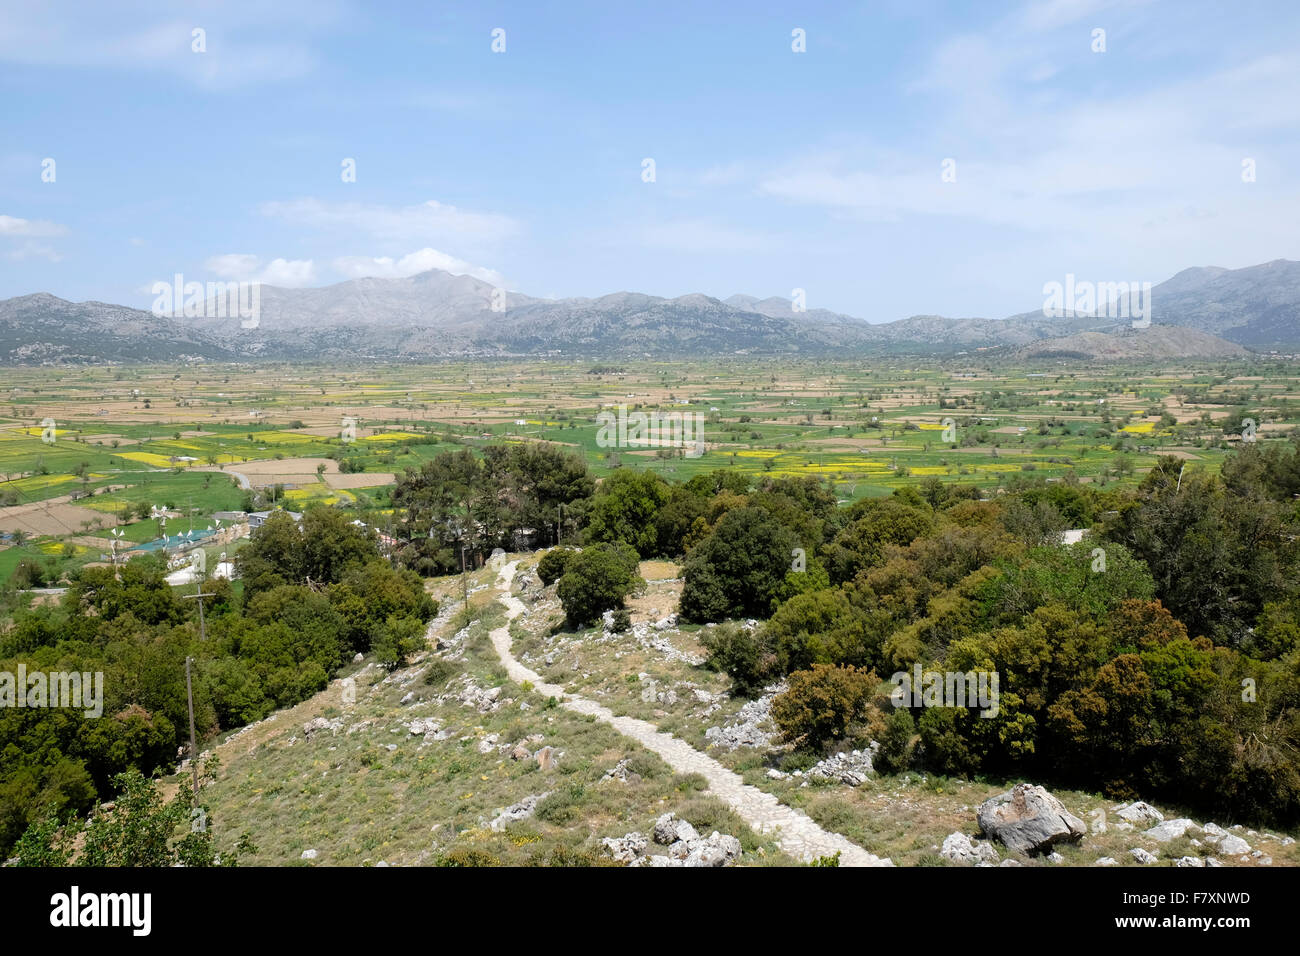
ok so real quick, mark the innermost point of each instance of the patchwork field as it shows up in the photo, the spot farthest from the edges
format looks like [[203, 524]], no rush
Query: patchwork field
[[82, 451]]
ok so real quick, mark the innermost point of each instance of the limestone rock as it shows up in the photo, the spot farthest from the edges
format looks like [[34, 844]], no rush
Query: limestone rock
[[1028, 819], [852, 768], [519, 811], [625, 849], [960, 848], [716, 850], [1170, 829], [1139, 813], [669, 829], [545, 758]]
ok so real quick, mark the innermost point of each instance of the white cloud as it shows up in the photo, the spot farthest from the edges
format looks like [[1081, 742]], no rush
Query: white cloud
[[422, 260], [429, 221], [234, 265], [290, 273], [98, 35], [33, 250], [13, 226], [242, 267]]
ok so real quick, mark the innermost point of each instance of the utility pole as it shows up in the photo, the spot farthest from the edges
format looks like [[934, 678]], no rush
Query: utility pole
[[194, 748], [464, 581], [189, 687]]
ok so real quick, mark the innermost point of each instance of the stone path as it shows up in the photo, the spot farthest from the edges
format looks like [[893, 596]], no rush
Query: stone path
[[796, 833]]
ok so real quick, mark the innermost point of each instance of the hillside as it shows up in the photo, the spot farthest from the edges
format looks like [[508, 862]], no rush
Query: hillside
[[1153, 344], [442, 761]]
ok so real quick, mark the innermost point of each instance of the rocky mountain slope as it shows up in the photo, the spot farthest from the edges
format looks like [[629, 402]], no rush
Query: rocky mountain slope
[[1205, 312]]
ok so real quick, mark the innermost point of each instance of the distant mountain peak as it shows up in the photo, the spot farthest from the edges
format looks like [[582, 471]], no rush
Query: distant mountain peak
[[1203, 311]]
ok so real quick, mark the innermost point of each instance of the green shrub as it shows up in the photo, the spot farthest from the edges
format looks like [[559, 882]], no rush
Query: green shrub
[[743, 655], [598, 579], [439, 671], [897, 742], [551, 567], [566, 856], [561, 806], [822, 703], [467, 857]]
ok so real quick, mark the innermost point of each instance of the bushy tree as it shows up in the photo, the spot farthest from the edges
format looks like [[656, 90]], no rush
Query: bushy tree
[[822, 703], [624, 509], [553, 563], [739, 569], [598, 579]]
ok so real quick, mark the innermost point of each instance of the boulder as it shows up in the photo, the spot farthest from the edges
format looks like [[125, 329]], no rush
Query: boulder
[[1142, 856], [545, 758], [1106, 861], [1230, 845], [717, 850], [1028, 819], [1142, 814], [1170, 829], [669, 829]]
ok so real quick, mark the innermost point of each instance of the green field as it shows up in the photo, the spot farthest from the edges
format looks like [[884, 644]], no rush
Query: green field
[[128, 439]]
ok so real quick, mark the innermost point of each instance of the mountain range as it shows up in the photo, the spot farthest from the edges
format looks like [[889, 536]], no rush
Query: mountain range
[[1204, 312]]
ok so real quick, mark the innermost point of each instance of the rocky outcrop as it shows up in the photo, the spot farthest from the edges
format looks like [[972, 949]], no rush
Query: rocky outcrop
[[684, 846], [959, 848], [745, 730], [851, 767]]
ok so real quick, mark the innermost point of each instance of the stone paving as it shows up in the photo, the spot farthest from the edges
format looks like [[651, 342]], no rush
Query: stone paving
[[795, 832]]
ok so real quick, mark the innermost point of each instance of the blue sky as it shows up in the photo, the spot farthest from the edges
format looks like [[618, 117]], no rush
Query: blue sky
[[774, 170]]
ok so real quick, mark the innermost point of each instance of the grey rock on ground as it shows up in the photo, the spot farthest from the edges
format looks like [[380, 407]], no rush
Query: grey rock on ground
[[1139, 813], [744, 729], [853, 768], [1170, 829], [627, 848], [959, 848], [1028, 819], [684, 846], [519, 811], [319, 724], [669, 829], [1142, 856]]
